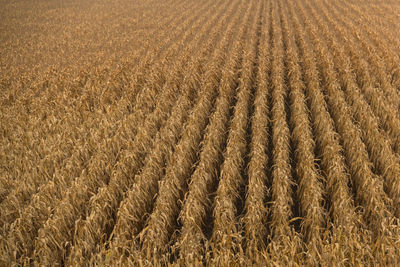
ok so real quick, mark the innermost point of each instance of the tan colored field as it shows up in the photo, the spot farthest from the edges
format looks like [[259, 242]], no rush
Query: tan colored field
[[187, 132]]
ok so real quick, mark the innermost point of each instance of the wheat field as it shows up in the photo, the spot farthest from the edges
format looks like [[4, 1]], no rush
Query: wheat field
[[200, 133]]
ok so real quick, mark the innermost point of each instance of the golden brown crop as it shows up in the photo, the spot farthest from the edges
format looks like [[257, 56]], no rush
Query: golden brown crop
[[199, 133]]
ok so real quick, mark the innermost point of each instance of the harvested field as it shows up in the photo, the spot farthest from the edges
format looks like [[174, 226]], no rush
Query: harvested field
[[187, 132]]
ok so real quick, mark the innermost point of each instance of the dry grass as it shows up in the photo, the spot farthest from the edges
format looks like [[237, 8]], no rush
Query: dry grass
[[199, 133]]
